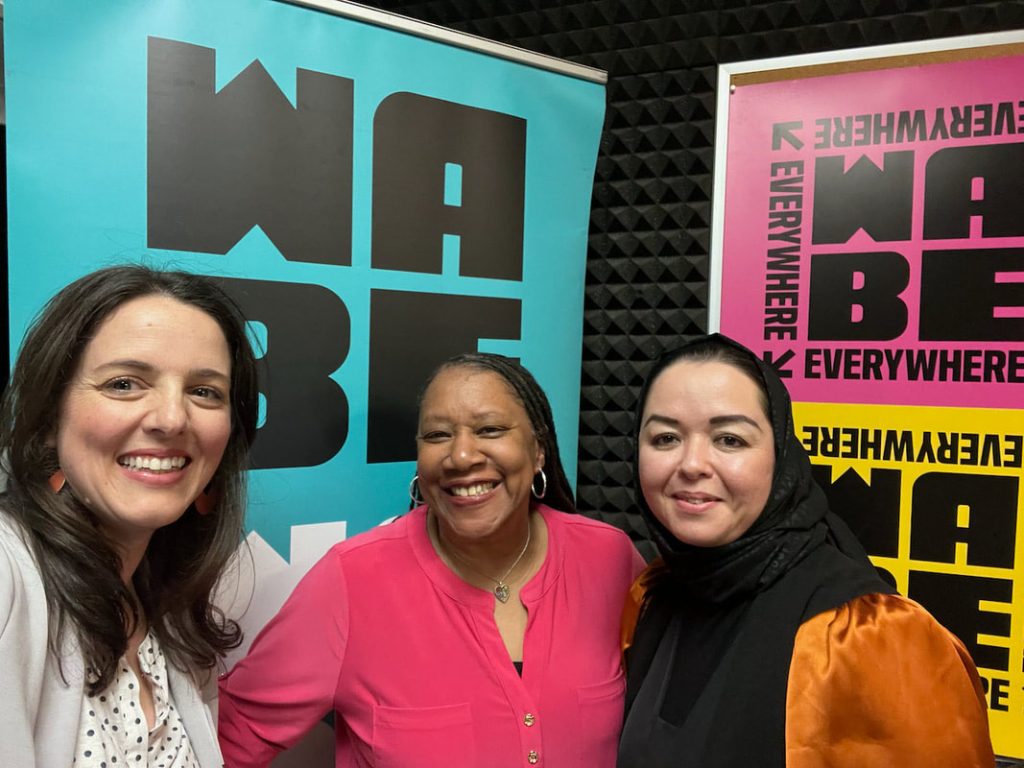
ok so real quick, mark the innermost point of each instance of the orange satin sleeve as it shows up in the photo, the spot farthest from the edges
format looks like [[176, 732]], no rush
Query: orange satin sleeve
[[878, 683], [631, 611]]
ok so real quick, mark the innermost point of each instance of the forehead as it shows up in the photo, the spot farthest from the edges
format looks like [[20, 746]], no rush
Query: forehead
[[160, 326], [471, 389], [703, 387]]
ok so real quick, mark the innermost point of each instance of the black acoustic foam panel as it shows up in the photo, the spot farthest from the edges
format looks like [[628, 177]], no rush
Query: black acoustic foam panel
[[650, 220]]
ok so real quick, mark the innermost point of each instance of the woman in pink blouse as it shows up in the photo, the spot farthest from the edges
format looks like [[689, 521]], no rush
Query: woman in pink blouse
[[479, 630]]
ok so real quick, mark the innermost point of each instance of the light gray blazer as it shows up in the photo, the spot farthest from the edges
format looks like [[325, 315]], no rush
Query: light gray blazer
[[39, 711]]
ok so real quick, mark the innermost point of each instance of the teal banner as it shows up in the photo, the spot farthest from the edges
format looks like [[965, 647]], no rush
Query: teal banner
[[375, 200]]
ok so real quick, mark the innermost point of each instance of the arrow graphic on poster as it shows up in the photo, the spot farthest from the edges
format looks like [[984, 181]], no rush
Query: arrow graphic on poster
[[779, 364], [784, 131]]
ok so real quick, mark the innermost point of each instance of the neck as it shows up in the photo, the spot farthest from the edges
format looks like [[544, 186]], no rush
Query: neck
[[131, 554], [490, 559]]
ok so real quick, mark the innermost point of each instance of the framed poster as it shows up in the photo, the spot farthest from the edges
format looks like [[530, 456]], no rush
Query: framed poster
[[868, 241]]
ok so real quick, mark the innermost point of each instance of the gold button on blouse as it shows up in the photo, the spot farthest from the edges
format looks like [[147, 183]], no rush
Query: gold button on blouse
[[529, 719], [532, 757]]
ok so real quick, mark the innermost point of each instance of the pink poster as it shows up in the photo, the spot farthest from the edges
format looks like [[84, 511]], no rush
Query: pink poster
[[873, 234]]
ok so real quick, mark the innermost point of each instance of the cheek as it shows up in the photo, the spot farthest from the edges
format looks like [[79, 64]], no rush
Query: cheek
[[81, 432], [529, 456], [215, 433], [221, 427], [754, 480], [653, 473], [426, 462]]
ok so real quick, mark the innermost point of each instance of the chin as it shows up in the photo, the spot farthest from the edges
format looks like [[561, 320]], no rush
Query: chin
[[695, 536], [472, 525], [474, 529], [698, 541], [154, 519]]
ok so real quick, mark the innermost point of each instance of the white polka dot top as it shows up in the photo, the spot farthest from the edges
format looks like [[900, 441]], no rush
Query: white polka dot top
[[112, 729]]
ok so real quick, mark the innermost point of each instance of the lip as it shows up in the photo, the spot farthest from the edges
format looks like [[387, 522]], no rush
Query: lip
[[693, 503], [470, 500], [159, 453], [152, 477]]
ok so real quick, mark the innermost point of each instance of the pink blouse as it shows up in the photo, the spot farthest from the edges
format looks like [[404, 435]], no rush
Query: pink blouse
[[409, 658]]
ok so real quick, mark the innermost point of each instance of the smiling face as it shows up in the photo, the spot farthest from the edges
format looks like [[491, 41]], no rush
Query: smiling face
[[476, 454], [706, 452], [146, 416]]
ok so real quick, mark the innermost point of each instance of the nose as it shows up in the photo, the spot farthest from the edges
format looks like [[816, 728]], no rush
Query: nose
[[464, 452], [168, 413], [694, 459]]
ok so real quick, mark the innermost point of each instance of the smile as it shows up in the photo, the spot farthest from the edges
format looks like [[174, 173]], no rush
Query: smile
[[153, 463], [695, 498], [477, 489]]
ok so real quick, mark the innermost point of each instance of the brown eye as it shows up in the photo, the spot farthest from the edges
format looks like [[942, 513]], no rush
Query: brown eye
[[730, 441], [664, 440], [434, 436], [120, 384], [209, 393]]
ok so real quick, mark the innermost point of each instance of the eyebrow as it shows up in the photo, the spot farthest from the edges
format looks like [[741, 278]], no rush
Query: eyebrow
[[733, 418], [715, 421], [660, 420], [488, 415], [143, 367]]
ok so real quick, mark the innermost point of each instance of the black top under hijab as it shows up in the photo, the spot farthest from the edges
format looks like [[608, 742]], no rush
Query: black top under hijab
[[709, 664]]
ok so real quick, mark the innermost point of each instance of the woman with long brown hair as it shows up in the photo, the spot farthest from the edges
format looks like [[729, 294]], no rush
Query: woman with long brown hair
[[124, 433]]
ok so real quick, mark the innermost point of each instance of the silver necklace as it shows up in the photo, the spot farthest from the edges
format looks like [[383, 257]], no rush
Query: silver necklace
[[501, 590]]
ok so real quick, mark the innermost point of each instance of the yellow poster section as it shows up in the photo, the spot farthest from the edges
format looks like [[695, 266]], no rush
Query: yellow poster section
[[945, 461]]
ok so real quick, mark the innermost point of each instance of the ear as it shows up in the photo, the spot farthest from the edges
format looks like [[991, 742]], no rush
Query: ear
[[538, 465]]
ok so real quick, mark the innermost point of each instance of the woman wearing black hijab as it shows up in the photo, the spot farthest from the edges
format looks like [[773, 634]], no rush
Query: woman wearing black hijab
[[765, 637]]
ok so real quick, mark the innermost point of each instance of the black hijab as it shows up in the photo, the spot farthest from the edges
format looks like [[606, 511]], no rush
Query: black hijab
[[708, 668]]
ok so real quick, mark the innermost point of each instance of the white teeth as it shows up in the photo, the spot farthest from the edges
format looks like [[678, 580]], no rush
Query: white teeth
[[472, 490], [153, 463]]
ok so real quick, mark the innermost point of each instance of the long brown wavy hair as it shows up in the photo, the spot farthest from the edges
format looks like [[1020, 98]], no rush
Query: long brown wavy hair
[[79, 566]]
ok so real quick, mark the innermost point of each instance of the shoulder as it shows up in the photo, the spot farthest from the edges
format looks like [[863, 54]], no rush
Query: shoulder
[[10, 568], [883, 645], [366, 550], [12, 536], [578, 528], [18, 570], [596, 554], [880, 670], [631, 610], [33, 690], [24, 611], [369, 543], [596, 545], [883, 621]]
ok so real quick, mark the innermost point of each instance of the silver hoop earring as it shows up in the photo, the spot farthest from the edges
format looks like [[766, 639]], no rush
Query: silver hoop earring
[[543, 485], [414, 491]]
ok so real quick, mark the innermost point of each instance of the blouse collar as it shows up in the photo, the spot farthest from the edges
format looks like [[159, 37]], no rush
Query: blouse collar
[[449, 582]]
